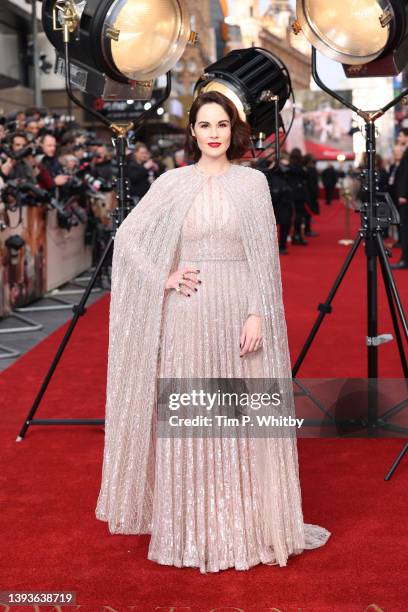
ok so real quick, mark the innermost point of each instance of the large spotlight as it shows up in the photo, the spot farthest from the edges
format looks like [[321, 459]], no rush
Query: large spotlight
[[118, 42], [256, 81], [369, 37]]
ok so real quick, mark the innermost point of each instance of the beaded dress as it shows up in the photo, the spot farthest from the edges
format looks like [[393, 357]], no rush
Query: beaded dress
[[206, 506]]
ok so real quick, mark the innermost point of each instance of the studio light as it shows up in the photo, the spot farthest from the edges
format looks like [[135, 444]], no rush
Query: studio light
[[369, 37], [256, 81], [112, 49], [116, 44]]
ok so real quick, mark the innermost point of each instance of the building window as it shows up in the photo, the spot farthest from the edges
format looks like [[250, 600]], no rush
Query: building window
[[13, 64]]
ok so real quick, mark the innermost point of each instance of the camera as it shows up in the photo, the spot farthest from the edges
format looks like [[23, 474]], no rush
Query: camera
[[88, 180], [29, 150], [21, 193]]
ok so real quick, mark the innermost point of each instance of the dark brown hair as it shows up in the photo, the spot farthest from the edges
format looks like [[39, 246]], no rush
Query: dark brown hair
[[240, 130], [295, 157]]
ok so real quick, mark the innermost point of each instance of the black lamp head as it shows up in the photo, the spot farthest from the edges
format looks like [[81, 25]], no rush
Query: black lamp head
[[252, 78]]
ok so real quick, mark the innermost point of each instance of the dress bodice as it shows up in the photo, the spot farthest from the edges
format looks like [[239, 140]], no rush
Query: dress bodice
[[211, 227]]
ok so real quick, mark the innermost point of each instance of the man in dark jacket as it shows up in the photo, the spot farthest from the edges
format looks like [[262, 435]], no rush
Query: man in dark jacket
[[282, 203], [401, 190], [329, 180], [102, 167], [141, 170], [312, 178], [296, 179], [392, 184], [51, 172], [24, 168]]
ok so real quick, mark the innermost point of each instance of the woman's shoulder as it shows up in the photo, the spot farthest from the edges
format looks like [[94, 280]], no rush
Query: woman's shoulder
[[178, 171], [172, 175], [257, 177]]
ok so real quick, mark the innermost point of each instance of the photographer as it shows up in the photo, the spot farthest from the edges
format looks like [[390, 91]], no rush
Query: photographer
[[102, 167], [51, 172], [21, 162], [141, 170], [32, 127]]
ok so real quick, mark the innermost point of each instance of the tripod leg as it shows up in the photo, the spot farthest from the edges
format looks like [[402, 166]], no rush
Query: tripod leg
[[393, 287], [396, 462], [391, 295], [326, 307], [79, 310]]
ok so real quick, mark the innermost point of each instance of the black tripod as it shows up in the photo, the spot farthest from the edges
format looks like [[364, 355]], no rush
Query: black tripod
[[119, 214], [375, 217]]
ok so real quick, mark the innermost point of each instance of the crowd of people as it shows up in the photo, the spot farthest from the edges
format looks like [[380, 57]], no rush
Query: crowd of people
[[48, 158], [295, 188], [52, 153]]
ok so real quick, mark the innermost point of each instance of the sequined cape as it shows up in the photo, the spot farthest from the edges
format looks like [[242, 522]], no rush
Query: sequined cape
[[144, 249]]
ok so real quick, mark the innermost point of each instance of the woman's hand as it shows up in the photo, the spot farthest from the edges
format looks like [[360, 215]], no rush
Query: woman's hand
[[186, 278], [251, 336]]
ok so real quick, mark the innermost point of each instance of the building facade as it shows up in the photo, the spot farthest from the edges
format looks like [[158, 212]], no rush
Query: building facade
[[271, 30], [16, 58]]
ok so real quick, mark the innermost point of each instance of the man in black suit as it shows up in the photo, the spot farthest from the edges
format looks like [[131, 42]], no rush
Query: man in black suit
[[141, 170], [402, 195], [392, 184], [329, 180]]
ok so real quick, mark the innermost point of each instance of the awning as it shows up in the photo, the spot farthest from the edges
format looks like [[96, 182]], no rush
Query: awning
[[324, 152], [321, 152]]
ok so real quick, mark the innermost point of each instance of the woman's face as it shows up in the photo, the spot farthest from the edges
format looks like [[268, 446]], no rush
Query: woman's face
[[212, 125]]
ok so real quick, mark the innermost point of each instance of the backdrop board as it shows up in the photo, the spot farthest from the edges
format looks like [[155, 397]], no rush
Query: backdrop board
[[67, 254]]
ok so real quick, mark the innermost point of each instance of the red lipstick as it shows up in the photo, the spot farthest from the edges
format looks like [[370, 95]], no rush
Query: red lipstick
[[214, 144]]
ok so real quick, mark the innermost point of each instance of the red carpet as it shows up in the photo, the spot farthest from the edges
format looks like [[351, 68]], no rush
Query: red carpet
[[50, 539], [339, 348]]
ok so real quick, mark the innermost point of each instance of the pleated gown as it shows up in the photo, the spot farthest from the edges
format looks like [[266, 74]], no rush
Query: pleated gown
[[205, 504]]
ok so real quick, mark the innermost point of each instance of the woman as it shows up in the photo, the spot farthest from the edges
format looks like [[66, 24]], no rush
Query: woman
[[196, 293]]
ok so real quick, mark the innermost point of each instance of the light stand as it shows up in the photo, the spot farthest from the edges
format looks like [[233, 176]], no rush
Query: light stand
[[119, 214], [375, 217]]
